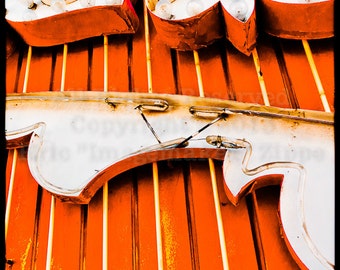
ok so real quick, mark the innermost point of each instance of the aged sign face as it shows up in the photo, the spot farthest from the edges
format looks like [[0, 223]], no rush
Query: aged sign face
[[76, 142]]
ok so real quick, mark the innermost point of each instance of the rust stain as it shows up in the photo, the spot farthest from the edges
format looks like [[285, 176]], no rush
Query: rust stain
[[24, 256], [170, 244]]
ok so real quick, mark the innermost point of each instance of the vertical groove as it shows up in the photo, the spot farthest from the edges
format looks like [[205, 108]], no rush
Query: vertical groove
[[83, 236], [19, 67], [292, 99], [130, 60], [252, 210], [228, 79], [27, 70], [54, 60], [174, 63], [36, 228], [135, 223], [89, 62], [195, 264]]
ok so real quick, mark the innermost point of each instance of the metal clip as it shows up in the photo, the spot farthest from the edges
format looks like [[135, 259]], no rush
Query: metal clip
[[144, 104], [209, 112], [154, 105], [221, 141]]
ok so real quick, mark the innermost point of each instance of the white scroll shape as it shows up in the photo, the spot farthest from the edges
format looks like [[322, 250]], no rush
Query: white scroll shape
[[306, 200]]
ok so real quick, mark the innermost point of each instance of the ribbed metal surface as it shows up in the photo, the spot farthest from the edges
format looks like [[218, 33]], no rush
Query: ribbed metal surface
[[281, 76]]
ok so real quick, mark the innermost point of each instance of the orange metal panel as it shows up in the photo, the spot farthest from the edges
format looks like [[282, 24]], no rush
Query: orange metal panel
[[203, 218], [161, 65], [46, 31], [297, 20], [187, 78], [189, 227], [20, 235], [300, 74], [57, 55], [119, 61], [275, 252], [13, 68], [237, 229], [146, 219], [120, 223], [96, 63], [213, 76], [243, 76], [76, 66], [175, 237], [271, 71], [323, 55], [8, 169], [40, 70], [66, 236], [43, 219], [20, 75], [139, 72], [94, 226]]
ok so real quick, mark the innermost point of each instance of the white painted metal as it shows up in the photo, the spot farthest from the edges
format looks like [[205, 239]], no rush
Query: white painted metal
[[80, 134], [305, 158]]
